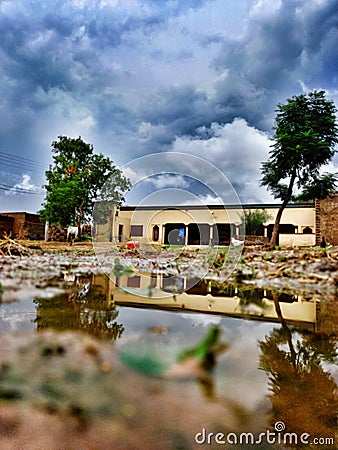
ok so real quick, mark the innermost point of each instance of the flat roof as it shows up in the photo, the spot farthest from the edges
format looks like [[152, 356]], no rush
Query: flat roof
[[243, 206]]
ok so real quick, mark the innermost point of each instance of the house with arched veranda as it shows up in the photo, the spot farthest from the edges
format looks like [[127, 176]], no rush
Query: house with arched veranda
[[197, 225]]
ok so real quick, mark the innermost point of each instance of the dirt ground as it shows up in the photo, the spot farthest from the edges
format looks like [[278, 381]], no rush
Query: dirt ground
[[146, 414]]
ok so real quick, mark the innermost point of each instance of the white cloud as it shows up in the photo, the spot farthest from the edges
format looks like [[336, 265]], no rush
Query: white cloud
[[166, 180], [203, 320], [24, 185], [200, 199], [238, 150]]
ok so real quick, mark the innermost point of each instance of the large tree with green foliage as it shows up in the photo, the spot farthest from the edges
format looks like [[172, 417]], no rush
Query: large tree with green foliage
[[78, 178], [305, 137]]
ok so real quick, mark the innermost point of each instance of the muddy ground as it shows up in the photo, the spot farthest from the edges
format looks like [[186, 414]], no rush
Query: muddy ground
[[57, 408], [309, 271]]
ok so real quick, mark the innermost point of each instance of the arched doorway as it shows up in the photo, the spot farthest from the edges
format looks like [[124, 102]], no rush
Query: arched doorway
[[156, 233], [174, 233], [198, 234]]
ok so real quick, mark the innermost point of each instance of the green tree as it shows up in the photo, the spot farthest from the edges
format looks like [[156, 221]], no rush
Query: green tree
[[78, 178], [253, 220], [305, 137]]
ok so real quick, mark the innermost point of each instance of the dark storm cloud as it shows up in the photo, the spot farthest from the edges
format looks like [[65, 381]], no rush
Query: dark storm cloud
[[279, 48], [180, 108], [283, 48], [135, 76]]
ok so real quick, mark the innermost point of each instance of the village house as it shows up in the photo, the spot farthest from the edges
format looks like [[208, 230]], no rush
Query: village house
[[21, 225], [302, 224], [205, 225]]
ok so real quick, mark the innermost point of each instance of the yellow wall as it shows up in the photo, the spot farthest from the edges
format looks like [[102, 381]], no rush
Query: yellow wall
[[298, 240], [299, 216]]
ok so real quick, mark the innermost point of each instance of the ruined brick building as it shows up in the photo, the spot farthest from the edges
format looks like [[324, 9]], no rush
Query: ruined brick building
[[22, 225], [326, 213]]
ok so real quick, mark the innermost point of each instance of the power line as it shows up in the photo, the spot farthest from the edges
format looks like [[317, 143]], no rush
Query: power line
[[21, 159], [18, 190], [18, 166], [21, 163]]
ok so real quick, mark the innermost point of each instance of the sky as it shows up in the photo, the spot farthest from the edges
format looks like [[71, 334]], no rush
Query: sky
[[142, 77]]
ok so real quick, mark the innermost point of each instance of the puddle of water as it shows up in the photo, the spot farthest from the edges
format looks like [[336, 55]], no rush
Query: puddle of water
[[280, 360]]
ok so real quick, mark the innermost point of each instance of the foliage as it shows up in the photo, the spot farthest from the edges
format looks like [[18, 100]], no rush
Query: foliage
[[295, 361], [297, 377], [305, 137], [320, 189], [61, 201], [253, 220], [77, 179]]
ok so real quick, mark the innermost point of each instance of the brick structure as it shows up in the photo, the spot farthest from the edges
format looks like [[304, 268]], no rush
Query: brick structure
[[57, 233], [6, 226], [327, 316], [26, 225], [327, 219]]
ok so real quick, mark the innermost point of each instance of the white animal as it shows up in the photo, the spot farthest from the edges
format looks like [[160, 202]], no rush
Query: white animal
[[235, 242], [74, 231]]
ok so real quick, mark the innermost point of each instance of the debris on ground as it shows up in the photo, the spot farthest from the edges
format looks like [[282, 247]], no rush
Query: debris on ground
[[10, 247]]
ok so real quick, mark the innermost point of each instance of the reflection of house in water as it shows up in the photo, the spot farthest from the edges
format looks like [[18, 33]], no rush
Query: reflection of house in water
[[191, 295]]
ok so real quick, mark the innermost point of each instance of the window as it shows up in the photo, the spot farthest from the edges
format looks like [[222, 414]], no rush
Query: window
[[134, 282], [156, 233], [136, 230]]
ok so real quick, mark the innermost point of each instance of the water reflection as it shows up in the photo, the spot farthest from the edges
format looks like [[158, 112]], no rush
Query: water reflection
[[303, 393], [299, 355], [86, 308], [210, 296], [290, 337]]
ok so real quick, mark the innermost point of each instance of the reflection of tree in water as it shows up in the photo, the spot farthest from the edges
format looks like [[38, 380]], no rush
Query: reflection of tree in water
[[303, 395], [84, 309]]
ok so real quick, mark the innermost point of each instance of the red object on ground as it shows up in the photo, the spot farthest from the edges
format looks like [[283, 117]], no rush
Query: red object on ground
[[132, 244]]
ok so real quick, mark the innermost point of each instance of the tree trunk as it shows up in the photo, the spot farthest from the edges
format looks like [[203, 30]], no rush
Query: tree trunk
[[286, 329], [78, 218], [286, 200]]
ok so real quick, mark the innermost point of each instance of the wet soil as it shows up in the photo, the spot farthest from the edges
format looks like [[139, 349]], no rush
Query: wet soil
[[125, 410]]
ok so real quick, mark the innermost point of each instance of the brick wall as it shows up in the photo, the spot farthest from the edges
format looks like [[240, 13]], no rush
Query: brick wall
[[327, 316], [6, 226], [26, 225], [327, 220], [34, 227], [18, 224], [57, 233]]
